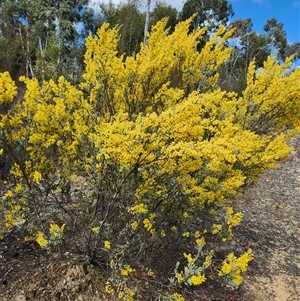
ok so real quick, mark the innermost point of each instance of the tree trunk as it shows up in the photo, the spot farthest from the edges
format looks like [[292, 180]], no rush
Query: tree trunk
[[147, 20]]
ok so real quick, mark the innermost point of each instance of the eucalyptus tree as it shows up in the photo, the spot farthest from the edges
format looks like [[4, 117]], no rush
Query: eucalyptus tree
[[147, 20], [46, 33], [10, 50], [278, 39], [131, 22], [211, 13], [277, 35], [162, 10], [248, 45], [22, 27], [62, 43]]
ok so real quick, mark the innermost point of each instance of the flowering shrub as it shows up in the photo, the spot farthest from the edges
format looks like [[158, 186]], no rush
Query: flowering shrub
[[147, 150], [232, 268]]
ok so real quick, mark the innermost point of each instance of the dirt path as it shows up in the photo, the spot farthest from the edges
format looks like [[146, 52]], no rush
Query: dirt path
[[271, 227]]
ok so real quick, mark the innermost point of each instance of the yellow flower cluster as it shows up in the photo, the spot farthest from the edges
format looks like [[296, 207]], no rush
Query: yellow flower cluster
[[8, 89], [134, 225], [126, 270], [197, 279], [108, 288], [107, 244], [189, 258], [37, 177], [95, 229], [233, 266], [200, 242], [55, 235], [126, 294], [41, 240], [148, 223], [56, 231], [15, 212], [216, 229], [178, 297], [140, 208], [232, 220]]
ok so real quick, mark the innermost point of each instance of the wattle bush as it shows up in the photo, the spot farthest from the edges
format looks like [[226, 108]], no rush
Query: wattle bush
[[146, 151]]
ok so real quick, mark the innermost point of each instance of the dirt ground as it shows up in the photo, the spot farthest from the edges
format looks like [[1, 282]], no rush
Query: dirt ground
[[271, 227]]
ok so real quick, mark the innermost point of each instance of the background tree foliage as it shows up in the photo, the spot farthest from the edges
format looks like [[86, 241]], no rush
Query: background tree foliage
[[45, 39], [209, 12], [45, 36], [145, 153]]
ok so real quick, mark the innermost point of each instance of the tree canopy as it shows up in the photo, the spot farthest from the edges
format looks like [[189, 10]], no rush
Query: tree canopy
[[45, 39]]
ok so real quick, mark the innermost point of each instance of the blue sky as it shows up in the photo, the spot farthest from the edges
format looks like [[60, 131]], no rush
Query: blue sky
[[285, 11]]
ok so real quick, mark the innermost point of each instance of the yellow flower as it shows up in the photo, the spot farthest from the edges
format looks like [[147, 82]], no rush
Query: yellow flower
[[148, 225], [178, 297], [237, 278], [107, 244], [226, 269], [189, 258], [108, 289], [8, 194], [37, 177], [140, 208], [243, 260], [129, 294], [200, 242], [197, 234], [18, 188], [27, 238], [41, 240], [95, 230], [174, 228], [179, 277], [163, 233], [233, 219], [56, 231], [150, 272], [127, 270], [216, 228], [232, 267], [120, 295], [134, 225], [197, 279], [207, 261], [186, 215]]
